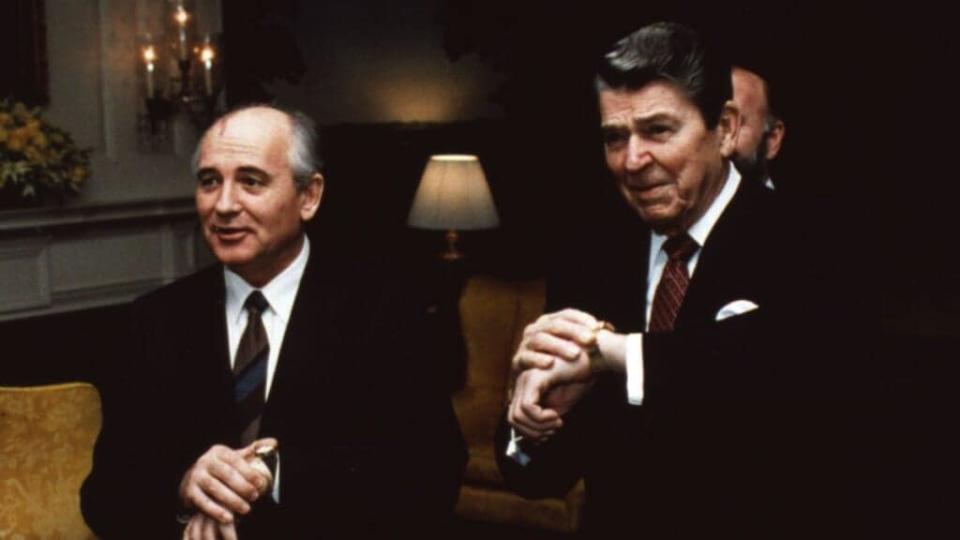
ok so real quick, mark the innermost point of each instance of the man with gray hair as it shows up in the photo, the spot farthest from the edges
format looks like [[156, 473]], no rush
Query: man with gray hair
[[251, 399]]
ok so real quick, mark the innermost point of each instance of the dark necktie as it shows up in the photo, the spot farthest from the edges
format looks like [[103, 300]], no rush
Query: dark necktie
[[673, 282], [250, 369]]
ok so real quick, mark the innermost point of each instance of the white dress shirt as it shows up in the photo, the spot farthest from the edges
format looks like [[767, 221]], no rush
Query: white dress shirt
[[280, 293]]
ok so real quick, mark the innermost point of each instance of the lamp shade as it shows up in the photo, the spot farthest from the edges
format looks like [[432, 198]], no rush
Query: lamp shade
[[453, 194]]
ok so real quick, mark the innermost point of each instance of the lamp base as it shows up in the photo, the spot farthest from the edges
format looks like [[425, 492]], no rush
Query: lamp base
[[452, 253]]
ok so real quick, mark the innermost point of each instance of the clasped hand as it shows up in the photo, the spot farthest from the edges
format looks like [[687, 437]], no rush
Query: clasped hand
[[221, 483], [553, 371]]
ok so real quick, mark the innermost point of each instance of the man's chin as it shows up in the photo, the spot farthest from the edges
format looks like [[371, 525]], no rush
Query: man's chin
[[661, 218], [232, 257]]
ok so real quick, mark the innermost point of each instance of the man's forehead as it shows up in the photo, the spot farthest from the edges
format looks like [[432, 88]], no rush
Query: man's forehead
[[247, 130], [748, 86], [656, 99], [259, 119]]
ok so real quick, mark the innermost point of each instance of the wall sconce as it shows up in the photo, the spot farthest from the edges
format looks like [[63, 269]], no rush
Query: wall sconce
[[180, 72], [453, 194]]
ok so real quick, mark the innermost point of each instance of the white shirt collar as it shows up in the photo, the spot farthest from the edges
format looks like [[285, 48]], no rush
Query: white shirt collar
[[700, 230], [280, 292]]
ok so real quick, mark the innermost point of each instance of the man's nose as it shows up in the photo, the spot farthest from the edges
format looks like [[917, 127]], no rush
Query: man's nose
[[227, 198], [638, 154]]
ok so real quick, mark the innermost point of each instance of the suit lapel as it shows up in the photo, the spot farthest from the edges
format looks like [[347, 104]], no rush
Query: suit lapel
[[311, 326], [719, 272]]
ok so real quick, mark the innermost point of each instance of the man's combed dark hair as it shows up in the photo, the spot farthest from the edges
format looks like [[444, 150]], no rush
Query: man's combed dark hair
[[666, 51]]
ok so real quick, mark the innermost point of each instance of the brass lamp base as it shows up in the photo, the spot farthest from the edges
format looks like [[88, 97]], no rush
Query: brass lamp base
[[452, 253]]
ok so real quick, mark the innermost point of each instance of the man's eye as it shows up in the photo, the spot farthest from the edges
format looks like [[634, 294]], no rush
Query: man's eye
[[658, 130], [613, 138], [208, 181], [250, 181]]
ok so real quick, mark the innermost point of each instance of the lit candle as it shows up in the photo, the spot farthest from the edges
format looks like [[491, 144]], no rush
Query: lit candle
[[149, 56], [206, 56], [181, 16]]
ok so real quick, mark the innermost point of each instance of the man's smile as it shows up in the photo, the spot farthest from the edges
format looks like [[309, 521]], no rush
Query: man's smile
[[228, 234]]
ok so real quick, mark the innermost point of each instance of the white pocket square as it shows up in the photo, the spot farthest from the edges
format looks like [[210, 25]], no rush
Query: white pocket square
[[737, 307]]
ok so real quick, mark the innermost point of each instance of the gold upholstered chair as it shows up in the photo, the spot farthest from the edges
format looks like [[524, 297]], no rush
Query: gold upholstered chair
[[493, 315], [46, 449]]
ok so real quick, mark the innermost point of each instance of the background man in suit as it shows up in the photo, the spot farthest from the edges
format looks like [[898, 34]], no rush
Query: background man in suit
[[670, 413], [282, 343], [761, 130]]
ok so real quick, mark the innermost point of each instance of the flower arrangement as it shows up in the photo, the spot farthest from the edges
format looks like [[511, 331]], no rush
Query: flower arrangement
[[38, 159]]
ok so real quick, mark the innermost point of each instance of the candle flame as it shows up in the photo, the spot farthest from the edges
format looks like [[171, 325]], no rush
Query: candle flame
[[181, 16], [149, 54], [207, 54]]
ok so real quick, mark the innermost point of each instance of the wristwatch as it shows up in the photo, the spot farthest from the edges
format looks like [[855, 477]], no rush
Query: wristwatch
[[597, 361]]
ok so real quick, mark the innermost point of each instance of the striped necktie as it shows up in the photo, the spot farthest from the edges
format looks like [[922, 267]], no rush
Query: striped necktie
[[673, 283], [250, 369]]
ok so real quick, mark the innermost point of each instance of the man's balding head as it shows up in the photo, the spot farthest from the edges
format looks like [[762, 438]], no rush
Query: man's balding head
[[761, 131]]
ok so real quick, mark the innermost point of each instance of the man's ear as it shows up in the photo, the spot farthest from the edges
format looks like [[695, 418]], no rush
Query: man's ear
[[775, 137], [728, 128], [310, 197]]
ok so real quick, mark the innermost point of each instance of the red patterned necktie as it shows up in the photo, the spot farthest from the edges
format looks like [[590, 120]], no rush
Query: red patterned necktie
[[673, 282], [250, 369]]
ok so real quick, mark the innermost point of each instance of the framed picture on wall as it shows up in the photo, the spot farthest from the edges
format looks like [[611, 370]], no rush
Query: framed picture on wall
[[23, 47]]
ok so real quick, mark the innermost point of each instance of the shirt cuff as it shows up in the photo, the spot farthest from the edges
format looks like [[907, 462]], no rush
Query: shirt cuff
[[275, 492], [634, 361], [513, 449]]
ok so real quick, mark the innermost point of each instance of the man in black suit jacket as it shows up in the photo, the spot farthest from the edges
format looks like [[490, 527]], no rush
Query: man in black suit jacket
[[346, 383], [667, 392]]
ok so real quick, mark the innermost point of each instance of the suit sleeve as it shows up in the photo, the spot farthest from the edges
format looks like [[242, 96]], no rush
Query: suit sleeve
[[131, 491]]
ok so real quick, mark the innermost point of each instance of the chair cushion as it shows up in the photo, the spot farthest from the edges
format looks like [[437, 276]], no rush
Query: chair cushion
[[46, 443]]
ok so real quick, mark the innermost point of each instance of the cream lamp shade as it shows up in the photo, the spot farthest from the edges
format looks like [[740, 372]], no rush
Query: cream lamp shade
[[453, 194]]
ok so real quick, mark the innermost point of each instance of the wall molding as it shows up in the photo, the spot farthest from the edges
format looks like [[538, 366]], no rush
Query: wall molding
[[24, 220], [57, 260]]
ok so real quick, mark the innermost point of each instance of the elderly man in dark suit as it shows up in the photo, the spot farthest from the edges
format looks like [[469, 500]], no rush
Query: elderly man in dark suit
[[282, 343], [660, 369]]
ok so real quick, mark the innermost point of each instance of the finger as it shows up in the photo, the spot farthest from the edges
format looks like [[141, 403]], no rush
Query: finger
[[228, 532], [238, 475], [530, 359], [188, 530], [526, 415], [209, 529], [534, 416], [577, 316], [513, 411], [578, 332], [547, 343], [533, 434], [227, 495], [202, 502], [251, 450], [196, 527]]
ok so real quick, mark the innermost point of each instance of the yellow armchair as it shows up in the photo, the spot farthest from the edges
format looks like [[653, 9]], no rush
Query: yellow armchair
[[47, 435], [493, 315]]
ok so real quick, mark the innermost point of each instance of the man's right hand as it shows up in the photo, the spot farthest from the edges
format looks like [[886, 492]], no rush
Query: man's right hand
[[223, 482], [552, 371]]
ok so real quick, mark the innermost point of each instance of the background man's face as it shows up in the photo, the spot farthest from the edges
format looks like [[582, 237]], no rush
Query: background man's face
[[749, 93], [248, 204], [668, 165]]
